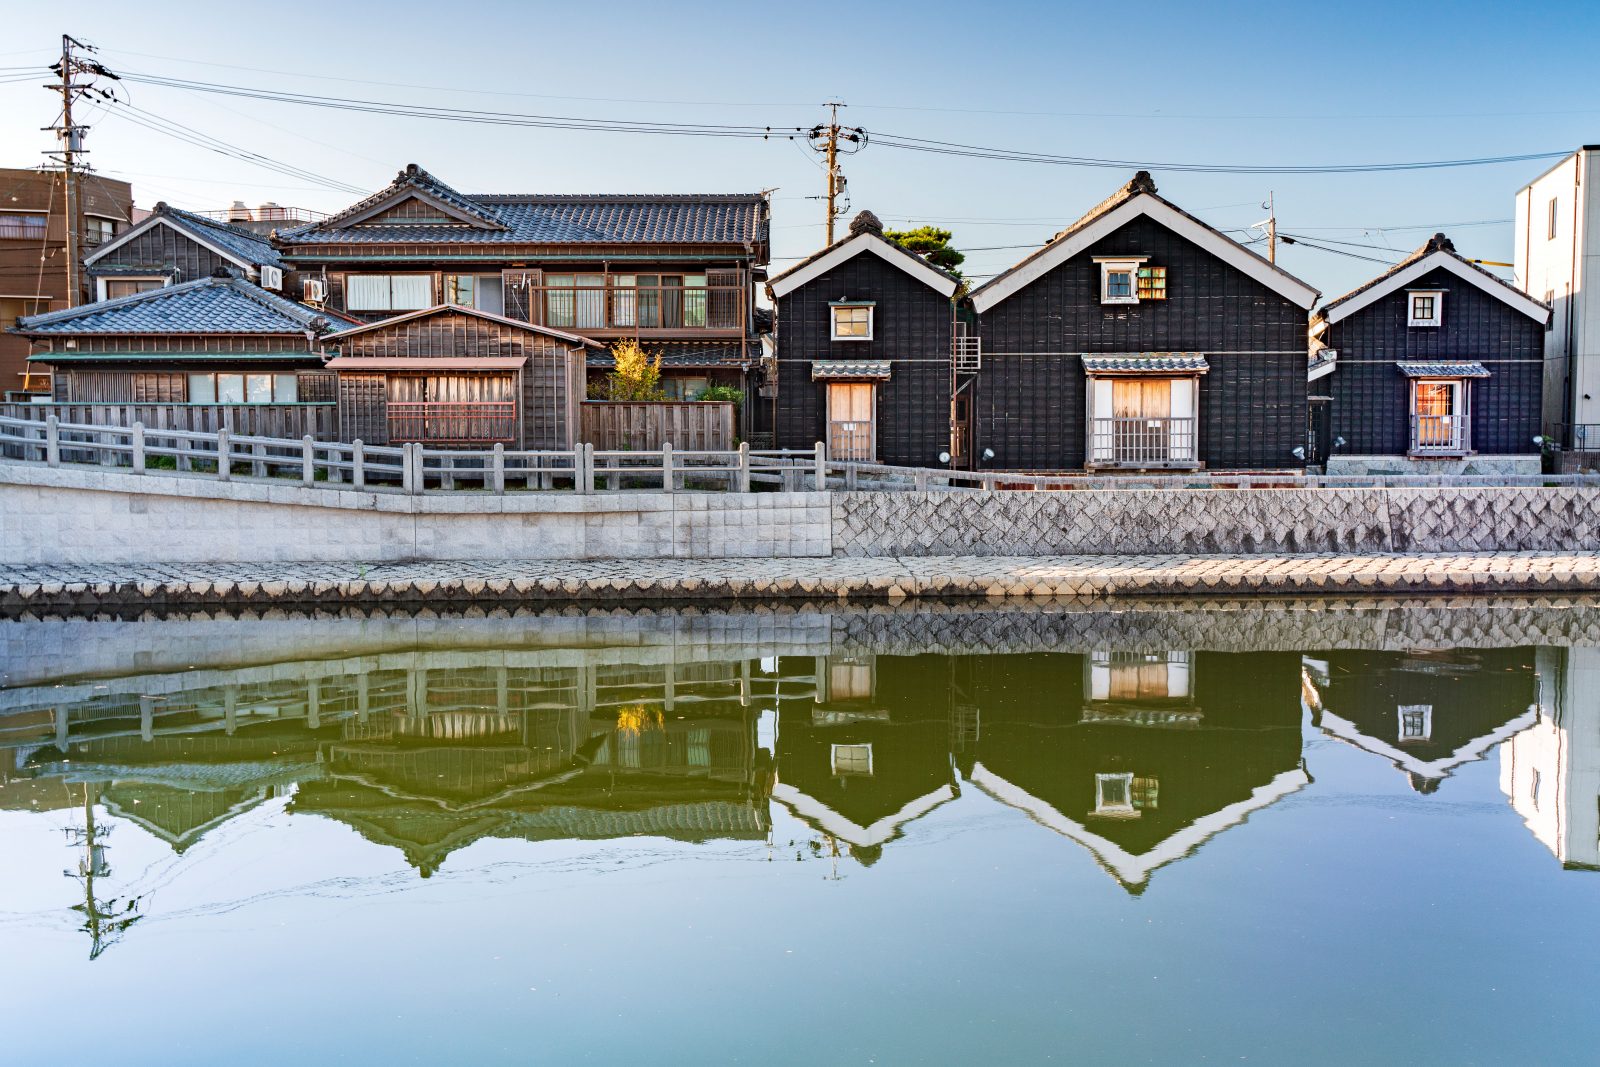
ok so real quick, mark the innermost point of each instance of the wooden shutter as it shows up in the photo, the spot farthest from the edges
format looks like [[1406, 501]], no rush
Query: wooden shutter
[[725, 299], [363, 409]]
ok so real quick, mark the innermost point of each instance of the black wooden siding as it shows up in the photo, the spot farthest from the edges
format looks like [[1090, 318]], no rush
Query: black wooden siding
[[1370, 405], [1029, 400], [911, 328], [163, 250]]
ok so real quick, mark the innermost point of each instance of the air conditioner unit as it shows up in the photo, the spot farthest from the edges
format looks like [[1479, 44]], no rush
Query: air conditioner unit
[[272, 278], [314, 291]]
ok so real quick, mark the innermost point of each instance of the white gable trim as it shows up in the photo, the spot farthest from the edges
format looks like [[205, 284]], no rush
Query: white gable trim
[[1063, 249], [786, 283], [831, 822], [1400, 279], [161, 220]]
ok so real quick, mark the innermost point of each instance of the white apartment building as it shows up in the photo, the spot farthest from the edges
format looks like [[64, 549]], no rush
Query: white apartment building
[[1558, 261], [1551, 771]]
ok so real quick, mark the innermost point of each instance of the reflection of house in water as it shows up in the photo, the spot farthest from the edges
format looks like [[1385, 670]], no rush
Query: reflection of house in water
[[863, 744], [1141, 757], [1551, 771], [587, 752], [1426, 712], [423, 751]]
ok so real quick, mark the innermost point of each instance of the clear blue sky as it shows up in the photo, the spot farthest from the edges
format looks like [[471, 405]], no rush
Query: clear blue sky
[[1217, 83]]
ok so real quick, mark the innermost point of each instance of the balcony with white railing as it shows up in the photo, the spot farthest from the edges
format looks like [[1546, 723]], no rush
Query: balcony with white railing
[[1439, 435], [1143, 443]]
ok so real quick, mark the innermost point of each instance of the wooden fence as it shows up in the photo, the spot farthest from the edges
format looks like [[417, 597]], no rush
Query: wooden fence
[[691, 425], [256, 420]]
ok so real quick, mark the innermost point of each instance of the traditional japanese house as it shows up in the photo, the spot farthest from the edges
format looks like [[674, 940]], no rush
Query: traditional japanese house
[[1141, 338], [171, 246], [1146, 754], [864, 352], [453, 375], [214, 341], [1428, 713], [675, 272], [1435, 366], [864, 753]]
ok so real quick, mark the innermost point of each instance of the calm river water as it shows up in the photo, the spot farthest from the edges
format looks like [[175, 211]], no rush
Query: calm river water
[[1276, 832]]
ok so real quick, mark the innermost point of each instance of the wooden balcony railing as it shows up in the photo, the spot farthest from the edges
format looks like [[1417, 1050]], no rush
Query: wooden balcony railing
[[460, 423], [1142, 443], [1440, 435], [606, 309]]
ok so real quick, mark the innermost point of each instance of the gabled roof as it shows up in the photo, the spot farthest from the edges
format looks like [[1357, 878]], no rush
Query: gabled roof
[[1438, 253], [247, 249], [204, 306], [510, 219], [439, 309], [1138, 198], [866, 235]]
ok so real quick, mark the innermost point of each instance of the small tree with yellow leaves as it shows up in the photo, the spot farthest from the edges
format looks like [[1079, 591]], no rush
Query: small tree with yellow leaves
[[637, 376]]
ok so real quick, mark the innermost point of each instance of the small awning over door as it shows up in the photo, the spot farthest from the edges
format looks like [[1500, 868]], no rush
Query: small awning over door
[[430, 363], [1441, 368], [849, 370], [1166, 364]]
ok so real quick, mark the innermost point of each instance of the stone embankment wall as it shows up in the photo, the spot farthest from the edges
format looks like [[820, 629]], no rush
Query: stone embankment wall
[[64, 516]]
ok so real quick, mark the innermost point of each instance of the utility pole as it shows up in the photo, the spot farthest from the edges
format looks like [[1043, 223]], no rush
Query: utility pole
[[833, 140], [70, 148], [1272, 228]]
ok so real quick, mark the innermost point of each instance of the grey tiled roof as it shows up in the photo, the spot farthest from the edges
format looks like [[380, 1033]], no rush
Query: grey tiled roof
[[692, 218], [248, 246], [1437, 243], [687, 354], [1147, 363], [1441, 368], [822, 369], [204, 306]]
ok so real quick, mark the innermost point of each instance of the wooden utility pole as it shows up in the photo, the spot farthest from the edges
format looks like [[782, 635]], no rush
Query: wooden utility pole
[[71, 141], [1272, 228], [834, 185], [834, 141]]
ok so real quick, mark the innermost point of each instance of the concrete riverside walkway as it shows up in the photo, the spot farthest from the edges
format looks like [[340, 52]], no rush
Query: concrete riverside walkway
[[886, 578]]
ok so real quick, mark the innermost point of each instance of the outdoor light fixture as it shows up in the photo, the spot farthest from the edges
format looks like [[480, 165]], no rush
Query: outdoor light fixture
[[1298, 452], [988, 453], [944, 457], [1338, 442]]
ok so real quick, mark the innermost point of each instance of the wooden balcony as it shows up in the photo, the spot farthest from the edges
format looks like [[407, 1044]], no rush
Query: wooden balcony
[[1143, 443], [452, 423], [641, 311]]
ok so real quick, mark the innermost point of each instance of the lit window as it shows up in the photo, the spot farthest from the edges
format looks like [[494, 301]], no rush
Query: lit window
[[1416, 722], [1152, 283], [1427, 308], [852, 322], [1438, 417], [852, 759]]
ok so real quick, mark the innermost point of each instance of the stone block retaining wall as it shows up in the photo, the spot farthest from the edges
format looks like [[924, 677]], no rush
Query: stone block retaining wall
[[65, 516]]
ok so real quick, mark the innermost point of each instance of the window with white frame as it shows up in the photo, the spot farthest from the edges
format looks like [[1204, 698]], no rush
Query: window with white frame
[[852, 322], [1119, 281], [1427, 307], [1439, 415], [231, 388], [1113, 795], [111, 288], [852, 760], [1416, 722], [388, 292]]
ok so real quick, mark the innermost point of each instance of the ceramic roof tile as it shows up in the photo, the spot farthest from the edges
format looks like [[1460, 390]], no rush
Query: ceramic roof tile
[[825, 369], [1147, 363], [1441, 368], [206, 305]]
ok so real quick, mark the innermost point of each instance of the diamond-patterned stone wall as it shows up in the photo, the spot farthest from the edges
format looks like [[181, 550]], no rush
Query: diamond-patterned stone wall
[[1216, 521]]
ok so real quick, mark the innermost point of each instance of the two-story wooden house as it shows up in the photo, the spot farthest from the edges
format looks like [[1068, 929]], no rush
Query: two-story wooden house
[[1434, 366], [171, 246], [675, 272], [864, 333], [1141, 338]]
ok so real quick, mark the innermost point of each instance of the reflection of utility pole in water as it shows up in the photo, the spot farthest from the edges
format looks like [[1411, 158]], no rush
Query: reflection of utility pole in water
[[102, 920]]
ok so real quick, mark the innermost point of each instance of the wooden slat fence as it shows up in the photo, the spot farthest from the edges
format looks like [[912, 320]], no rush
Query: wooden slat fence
[[689, 425], [256, 420]]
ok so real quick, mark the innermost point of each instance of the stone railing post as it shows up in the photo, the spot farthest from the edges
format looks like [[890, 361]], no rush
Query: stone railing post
[[499, 462], [358, 461], [224, 456], [821, 461], [52, 441], [743, 485], [136, 443], [583, 467], [669, 481], [308, 461]]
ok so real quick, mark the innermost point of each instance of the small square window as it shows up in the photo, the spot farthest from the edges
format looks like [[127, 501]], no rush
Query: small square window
[[1120, 282], [852, 322], [1427, 309], [852, 759], [1416, 722], [1152, 283]]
